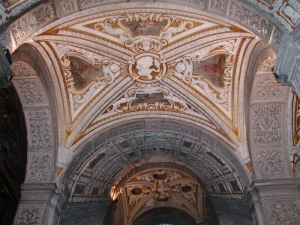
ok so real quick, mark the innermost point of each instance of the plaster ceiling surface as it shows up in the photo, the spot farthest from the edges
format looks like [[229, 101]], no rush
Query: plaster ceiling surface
[[147, 87], [130, 63]]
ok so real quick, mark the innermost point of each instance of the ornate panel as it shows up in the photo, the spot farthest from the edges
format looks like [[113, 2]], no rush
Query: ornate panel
[[219, 6], [286, 12], [36, 18], [30, 214], [251, 19], [269, 163], [22, 70], [67, 6], [39, 128], [266, 86], [267, 124], [40, 167], [90, 3], [283, 212], [31, 91], [5, 40], [276, 39]]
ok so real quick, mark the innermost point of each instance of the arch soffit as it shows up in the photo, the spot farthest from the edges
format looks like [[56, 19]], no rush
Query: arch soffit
[[41, 143], [108, 157]]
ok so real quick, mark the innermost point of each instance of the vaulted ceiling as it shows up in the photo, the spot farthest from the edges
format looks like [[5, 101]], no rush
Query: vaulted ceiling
[[148, 85]]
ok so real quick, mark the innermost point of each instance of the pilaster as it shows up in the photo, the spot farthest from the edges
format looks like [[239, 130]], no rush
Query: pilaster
[[40, 204], [275, 201]]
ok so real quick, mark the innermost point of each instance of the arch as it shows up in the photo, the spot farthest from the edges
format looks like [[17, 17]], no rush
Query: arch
[[13, 152], [111, 146], [149, 105], [28, 77], [172, 215]]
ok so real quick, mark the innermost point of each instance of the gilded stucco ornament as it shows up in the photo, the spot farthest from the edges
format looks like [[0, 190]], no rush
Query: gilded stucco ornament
[[161, 188]]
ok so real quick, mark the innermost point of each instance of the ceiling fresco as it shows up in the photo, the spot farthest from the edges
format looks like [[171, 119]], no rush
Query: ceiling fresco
[[148, 62]]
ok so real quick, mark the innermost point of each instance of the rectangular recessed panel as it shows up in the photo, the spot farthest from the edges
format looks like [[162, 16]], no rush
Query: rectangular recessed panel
[[95, 191], [222, 188], [79, 189], [235, 186], [187, 144], [96, 160], [124, 144]]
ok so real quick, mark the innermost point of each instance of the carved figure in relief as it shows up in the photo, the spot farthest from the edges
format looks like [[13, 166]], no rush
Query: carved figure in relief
[[110, 70], [143, 66], [174, 99], [185, 69], [124, 100], [168, 32], [123, 32]]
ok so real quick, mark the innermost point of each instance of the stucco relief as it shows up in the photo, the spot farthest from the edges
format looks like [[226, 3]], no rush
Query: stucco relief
[[276, 39], [266, 87], [285, 212], [22, 70], [5, 40], [270, 163], [218, 6], [156, 29], [31, 91], [39, 125], [40, 166], [267, 127], [250, 19], [286, 12], [160, 188], [38, 17], [89, 3], [67, 6], [29, 214]]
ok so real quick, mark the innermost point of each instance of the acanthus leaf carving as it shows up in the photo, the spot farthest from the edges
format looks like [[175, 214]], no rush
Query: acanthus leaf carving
[[39, 128], [31, 91], [36, 18], [67, 6], [40, 167], [30, 214], [250, 18], [270, 163], [267, 124], [284, 212], [22, 70], [266, 87]]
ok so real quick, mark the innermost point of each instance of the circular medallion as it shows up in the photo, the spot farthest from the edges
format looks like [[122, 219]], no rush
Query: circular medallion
[[147, 68]]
